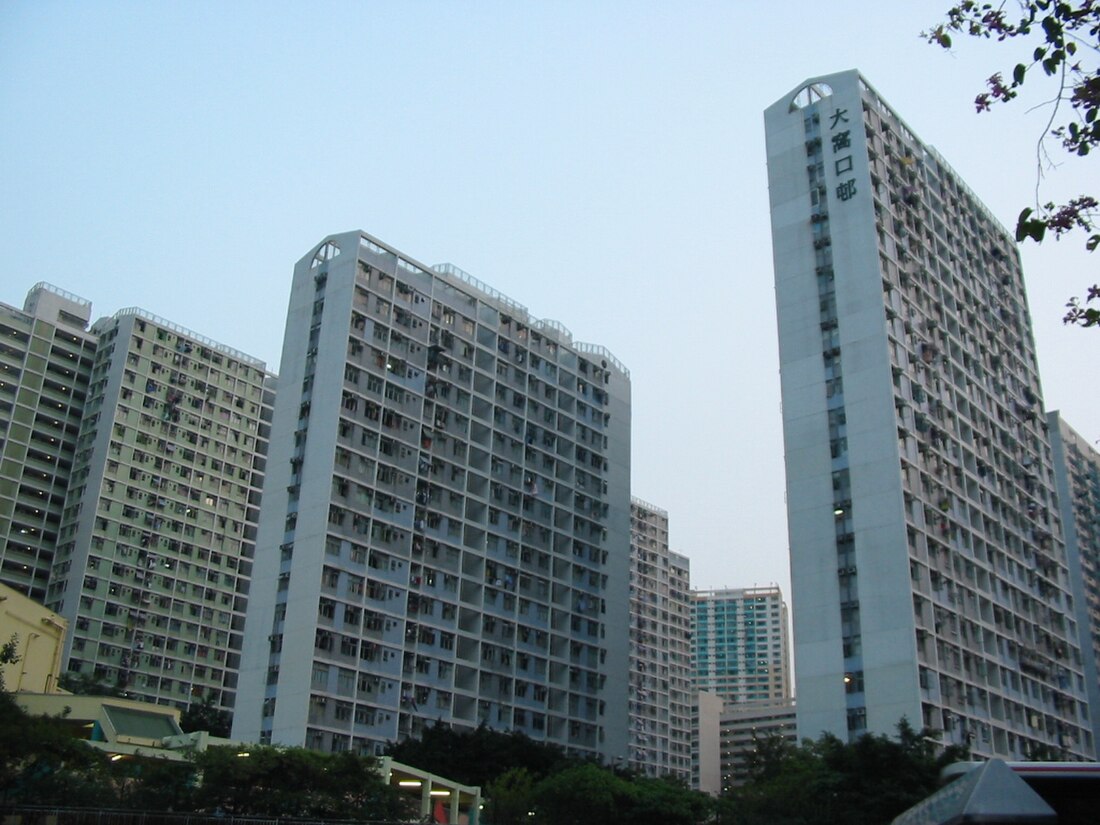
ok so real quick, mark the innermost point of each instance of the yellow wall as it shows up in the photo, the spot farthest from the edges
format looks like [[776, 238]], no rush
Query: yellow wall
[[40, 635]]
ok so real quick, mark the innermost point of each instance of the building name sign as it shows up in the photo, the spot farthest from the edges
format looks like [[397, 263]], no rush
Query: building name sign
[[842, 165]]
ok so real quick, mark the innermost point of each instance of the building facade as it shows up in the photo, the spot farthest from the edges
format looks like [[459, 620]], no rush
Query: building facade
[[157, 537], [660, 649], [929, 574], [46, 356], [743, 726], [1077, 472], [706, 743], [446, 529], [740, 647]]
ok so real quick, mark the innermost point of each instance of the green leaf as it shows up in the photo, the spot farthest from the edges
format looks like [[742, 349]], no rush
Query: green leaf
[[1053, 30], [1028, 227], [1018, 74]]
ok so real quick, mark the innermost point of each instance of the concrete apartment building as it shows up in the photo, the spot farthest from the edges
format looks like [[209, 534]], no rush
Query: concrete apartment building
[[740, 647], [742, 659], [929, 571], [46, 356], [445, 533], [743, 726], [1077, 473], [157, 538], [661, 695]]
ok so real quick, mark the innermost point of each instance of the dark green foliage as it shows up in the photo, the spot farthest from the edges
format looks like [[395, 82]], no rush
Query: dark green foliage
[[294, 782], [154, 784], [829, 781], [87, 684], [207, 716], [580, 795], [519, 777], [478, 757], [39, 760], [42, 761], [587, 794], [509, 797], [667, 802]]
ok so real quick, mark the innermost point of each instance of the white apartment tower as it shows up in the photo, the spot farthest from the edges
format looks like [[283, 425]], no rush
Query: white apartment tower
[[660, 649], [1077, 471], [158, 533], [929, 576], [446, 528], [45, 360], [740, 647]]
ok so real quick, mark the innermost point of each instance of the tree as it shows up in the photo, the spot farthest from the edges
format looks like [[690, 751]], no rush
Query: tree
[[294, 782], [587, 794], [207, 716], [40, 760], [154, 784], [870, 780], [509, 797], [9, 655], [477, 757], [1064, 43], [88, 684], [666, 801], [583, 794]]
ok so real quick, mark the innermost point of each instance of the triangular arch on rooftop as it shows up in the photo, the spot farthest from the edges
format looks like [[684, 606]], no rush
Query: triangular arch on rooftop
[[809, 94], [328, 251]]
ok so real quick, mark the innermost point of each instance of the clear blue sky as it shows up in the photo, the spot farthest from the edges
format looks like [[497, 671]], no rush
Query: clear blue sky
[[601, 163]]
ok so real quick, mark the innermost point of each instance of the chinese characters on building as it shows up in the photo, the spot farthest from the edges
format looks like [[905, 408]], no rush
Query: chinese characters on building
[[842, 165]]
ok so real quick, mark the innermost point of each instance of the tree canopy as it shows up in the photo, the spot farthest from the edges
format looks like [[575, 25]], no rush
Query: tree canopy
[[295, 782], [41, 760], [206, 715], [525, 783], [1060, 40], [480, 756], [534, 783], [871, 780]]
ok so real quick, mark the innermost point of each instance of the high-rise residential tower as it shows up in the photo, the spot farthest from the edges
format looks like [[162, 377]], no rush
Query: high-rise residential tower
[[739, 637], [660, 649], [929, 576], [45, 359], [1077, 472], [445, 533], [157, 537]]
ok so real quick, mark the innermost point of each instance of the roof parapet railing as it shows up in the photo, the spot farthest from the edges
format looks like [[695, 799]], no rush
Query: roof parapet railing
[[558, 328], [466, 277], [645, 505], [602, 352], [64, 293], [201, 339]]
